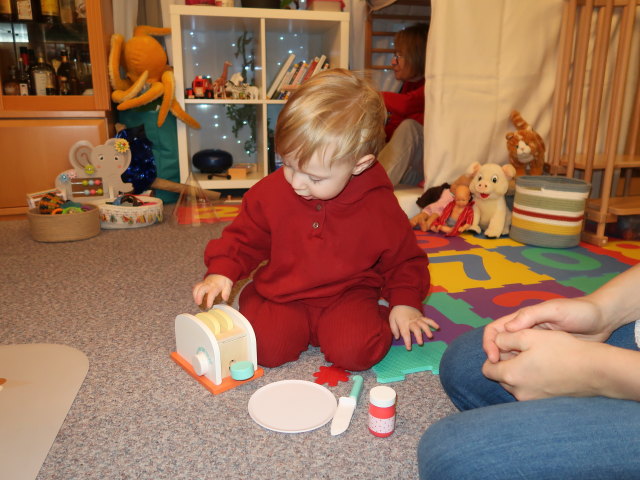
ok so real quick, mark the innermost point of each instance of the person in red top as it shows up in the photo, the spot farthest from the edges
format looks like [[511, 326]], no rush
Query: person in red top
[[333, 236], [402, 155]]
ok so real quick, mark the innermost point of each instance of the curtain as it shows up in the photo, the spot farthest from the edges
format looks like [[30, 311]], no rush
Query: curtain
[[150, 13], [125, 17], [128, 14], [484, 59]]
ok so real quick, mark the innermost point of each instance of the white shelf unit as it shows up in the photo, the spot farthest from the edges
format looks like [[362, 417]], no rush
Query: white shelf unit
[[204, 37]]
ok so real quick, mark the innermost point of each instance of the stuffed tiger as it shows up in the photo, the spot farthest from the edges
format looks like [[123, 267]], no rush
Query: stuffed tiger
[[526, 148]]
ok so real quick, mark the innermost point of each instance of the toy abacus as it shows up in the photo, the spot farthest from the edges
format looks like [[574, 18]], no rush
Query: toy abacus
[[86, 187]]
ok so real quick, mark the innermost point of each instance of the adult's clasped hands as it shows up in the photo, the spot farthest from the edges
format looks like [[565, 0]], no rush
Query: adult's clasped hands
[[546, 350]]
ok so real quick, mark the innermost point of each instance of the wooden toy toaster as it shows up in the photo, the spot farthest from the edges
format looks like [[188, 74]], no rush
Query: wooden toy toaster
[[217, 348]]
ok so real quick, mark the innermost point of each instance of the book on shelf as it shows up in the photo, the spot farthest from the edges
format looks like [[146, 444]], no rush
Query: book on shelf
[[297, 80], [285, 81], [283, 71], [312, 67], [297, 75], [321, 63], [286, 86]]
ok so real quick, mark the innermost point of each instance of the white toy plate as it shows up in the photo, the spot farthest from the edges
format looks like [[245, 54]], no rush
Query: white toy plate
[[292, 406]]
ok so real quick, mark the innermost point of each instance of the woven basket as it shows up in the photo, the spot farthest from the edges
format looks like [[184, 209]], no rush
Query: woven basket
[[548, 211], [127, 216], [64, 228]]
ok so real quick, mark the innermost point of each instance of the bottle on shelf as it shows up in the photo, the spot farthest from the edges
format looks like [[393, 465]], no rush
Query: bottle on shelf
[[82, 65], [25, 64], [81, 11], [24, 57], [50, 12], [10, 86], [43, 77], [31, 59], [25, 10], [6, 11], [64, 88], [67, 76], [67, 12], [24, 83], [24, 79]]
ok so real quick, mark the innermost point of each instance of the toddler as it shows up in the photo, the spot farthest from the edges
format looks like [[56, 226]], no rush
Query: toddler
[[333, 236]]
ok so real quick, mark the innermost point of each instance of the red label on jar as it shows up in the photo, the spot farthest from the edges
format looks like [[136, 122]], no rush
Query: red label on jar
[[382, 412]]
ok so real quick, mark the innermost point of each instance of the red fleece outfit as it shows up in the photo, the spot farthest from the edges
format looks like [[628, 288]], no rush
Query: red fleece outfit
[[329, 262], [409, 103]]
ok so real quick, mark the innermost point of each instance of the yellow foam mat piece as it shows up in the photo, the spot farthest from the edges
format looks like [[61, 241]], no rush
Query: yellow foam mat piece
[[627, 248], [498, 271], [491, 242]]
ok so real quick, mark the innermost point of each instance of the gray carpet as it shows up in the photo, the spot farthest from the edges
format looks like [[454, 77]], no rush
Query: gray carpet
[[138, 415]]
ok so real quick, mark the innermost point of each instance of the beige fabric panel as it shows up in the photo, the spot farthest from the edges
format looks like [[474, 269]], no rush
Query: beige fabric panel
[[485, 58]]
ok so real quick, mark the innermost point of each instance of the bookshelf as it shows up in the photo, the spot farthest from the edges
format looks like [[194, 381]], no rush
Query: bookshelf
[[204, 37]]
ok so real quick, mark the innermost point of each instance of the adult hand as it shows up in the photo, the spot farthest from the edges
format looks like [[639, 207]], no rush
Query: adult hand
[[579, 316], [405, 320], [209, 288], [545, 364]]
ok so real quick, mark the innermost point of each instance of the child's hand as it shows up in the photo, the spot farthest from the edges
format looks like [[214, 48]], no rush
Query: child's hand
[[423, 220], [417, 219], [405, 320], [209, 288]]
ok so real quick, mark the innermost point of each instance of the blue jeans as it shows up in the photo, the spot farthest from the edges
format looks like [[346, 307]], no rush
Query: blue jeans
[[496, 437]]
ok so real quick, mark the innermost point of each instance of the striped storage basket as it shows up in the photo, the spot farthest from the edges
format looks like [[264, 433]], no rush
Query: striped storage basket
[[548, 211]]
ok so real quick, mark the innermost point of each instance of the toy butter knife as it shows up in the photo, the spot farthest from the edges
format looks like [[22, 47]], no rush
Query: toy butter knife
[[346, 406]]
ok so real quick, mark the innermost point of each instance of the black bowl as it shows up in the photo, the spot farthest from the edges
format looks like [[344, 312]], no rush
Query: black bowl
[[212, 160]]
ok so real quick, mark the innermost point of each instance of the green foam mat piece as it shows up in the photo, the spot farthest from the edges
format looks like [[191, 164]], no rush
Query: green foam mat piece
[[399, 361]]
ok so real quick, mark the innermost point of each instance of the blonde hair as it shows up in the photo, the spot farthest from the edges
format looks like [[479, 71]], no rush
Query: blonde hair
[[412, 42], [337, 108]]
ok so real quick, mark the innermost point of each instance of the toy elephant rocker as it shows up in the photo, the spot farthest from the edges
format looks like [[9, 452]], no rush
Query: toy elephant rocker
[[489, 186], [97, 171]]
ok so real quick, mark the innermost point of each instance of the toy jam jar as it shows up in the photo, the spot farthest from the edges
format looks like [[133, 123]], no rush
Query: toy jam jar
[[382, 411]]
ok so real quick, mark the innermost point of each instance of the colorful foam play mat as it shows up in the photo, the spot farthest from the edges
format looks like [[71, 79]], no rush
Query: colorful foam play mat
[[475, 280]]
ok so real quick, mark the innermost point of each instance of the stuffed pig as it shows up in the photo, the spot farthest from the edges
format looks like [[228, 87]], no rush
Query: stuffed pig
[[97, 171], [489, 186]]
